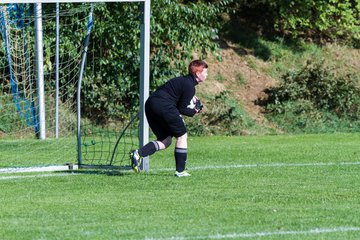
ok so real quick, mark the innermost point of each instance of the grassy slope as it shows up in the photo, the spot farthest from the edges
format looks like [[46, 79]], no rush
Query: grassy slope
[[227, 201], [249, 67]]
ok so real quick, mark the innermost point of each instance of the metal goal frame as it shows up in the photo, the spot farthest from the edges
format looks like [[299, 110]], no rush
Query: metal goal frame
[[144, 67]]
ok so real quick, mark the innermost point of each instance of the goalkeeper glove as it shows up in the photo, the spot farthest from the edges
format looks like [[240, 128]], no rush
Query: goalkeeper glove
[[198, 105]]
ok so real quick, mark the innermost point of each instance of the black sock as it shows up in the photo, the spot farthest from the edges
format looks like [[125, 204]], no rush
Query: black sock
[[149, 149], [180, 158]]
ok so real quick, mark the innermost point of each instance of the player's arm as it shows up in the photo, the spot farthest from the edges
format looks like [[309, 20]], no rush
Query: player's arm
[[190, 112], [192, 107], [188, 103]]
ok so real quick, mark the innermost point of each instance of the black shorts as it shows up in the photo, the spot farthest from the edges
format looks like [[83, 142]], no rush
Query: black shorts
[[164, 119]]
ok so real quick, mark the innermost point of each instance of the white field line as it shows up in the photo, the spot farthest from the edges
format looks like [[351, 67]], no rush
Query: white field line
[[38, 169], [260, 165], [36, 176], [264, 234], [267, 165]]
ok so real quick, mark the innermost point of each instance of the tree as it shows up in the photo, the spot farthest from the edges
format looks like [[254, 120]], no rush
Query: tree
[[323, 20], [178, 31]]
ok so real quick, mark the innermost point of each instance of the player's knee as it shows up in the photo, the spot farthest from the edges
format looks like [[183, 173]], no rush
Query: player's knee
[[181, 142], [165, 143]]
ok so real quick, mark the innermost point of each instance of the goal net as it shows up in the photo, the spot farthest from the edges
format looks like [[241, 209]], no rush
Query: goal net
[[80, 126]]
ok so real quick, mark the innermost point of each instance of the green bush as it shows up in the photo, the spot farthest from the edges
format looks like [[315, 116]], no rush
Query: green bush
[[177, 32], [21, 123], [302, 117], [222, 115], [320, 21], [320, 85], [111, 79], [314, 97], [296, 116], [9, 121]]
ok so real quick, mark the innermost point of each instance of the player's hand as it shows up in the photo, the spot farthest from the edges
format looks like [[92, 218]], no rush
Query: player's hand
[[198, 105]]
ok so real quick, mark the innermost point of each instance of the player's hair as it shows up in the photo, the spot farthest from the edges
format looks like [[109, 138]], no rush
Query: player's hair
[[197, 66]]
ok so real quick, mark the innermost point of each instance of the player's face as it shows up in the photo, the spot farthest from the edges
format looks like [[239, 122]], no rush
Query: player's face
[[201, 76]]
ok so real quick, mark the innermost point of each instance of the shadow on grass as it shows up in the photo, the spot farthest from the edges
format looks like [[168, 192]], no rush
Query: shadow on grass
[[250, 42], [119, 173], [108, 172]]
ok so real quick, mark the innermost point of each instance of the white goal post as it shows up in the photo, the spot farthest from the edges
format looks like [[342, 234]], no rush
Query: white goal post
[[144, 61]]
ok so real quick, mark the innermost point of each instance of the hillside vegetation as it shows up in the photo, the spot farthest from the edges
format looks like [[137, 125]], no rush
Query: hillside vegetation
[[275, 66], [287, 71], [315, 90]]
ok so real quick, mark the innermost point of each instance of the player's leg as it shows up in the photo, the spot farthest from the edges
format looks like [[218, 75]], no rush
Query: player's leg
[[164, 143], [154, 146], [158, 126], [178, 129], [181, 156], [148, 149]]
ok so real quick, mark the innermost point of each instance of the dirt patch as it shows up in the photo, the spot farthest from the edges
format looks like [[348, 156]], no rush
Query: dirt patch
[[234, 75]]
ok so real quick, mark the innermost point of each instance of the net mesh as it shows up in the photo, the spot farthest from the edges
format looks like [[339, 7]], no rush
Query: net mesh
[[110, 145], [19, 126]]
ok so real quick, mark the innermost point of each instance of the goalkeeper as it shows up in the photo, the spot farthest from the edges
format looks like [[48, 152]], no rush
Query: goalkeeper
[[164, 110]]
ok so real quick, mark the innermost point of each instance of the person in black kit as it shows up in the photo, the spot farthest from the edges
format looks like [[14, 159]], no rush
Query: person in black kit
[[164, 110]]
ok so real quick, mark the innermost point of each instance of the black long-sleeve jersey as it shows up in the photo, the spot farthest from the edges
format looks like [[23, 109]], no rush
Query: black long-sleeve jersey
[[178, 92]]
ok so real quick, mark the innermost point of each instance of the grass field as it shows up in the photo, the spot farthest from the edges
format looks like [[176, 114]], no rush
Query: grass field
[[268, 187]]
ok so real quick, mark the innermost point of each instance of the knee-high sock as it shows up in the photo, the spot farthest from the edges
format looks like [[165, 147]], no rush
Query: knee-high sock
[[180, 158], [149, 149]]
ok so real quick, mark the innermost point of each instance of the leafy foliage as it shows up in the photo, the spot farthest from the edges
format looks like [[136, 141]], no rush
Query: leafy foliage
[[323, 20], [312, 95], [177, 32], [184, 29], [224, 117], [8, 121]]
